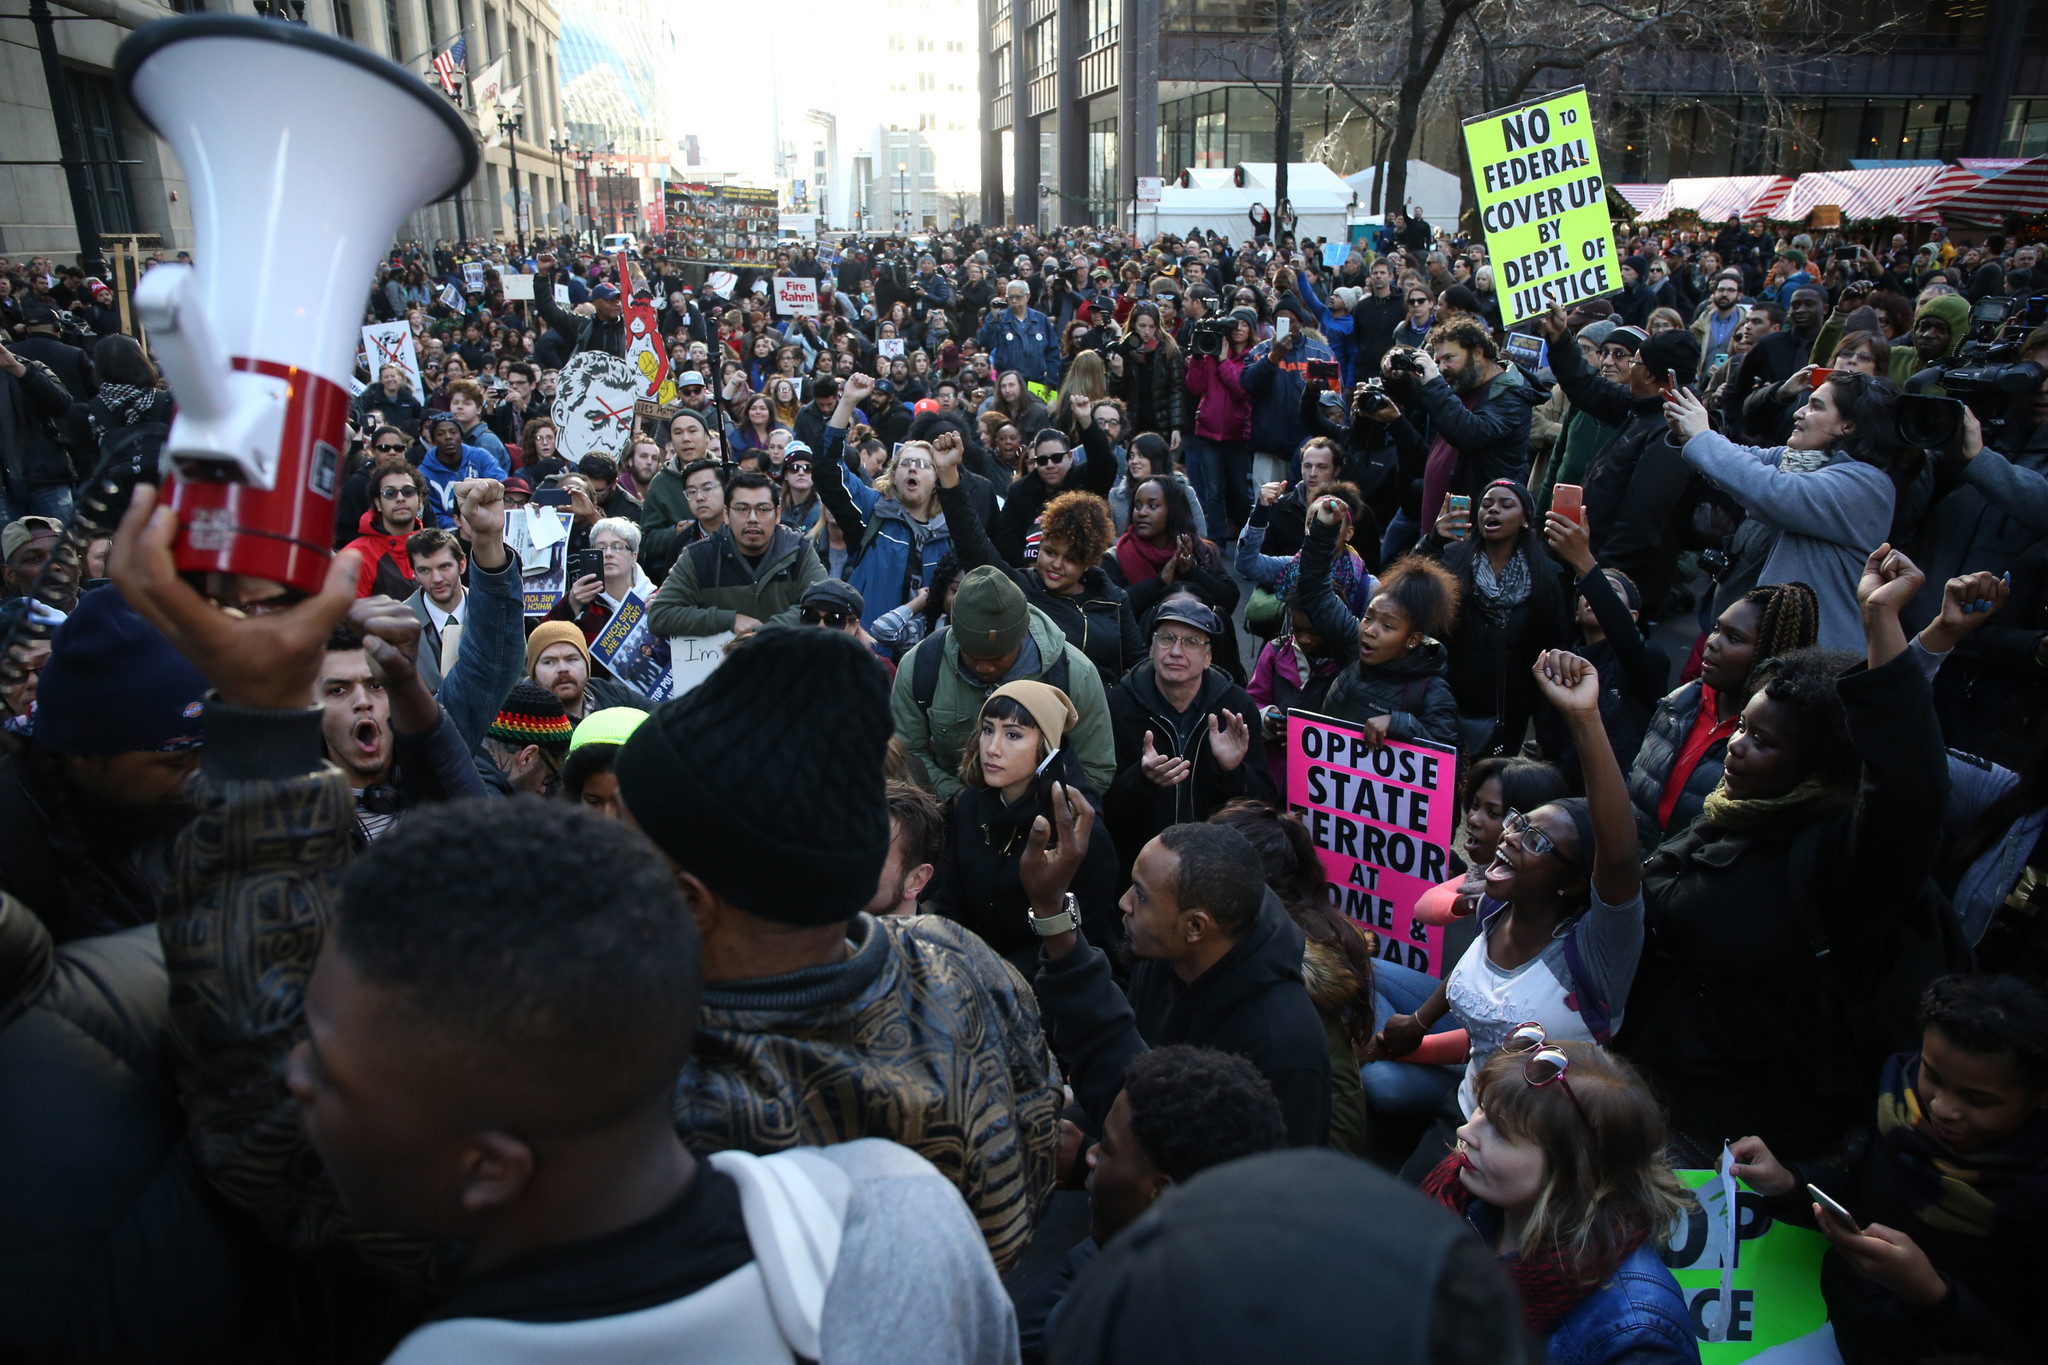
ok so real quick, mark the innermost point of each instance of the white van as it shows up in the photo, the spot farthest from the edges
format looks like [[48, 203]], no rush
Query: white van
[[615, 242]]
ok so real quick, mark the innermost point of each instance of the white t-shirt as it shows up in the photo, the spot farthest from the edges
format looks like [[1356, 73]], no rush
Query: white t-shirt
[[1489, 1000]]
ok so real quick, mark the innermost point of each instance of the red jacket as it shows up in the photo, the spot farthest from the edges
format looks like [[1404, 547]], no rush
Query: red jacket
[[387, 568], [1224, 412]]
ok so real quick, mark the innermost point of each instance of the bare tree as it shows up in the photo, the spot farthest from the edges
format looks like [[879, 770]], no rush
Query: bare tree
[[1420, 58]]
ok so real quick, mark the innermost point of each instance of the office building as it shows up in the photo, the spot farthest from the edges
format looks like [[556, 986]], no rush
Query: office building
[[1078, 98]]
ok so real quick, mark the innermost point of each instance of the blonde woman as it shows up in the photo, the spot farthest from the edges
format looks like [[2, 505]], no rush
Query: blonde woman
[[894, 531]]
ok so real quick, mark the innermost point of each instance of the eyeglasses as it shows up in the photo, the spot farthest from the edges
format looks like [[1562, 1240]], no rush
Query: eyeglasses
[[1531, 836], [1173, 639], [394, 494], [811, 616], [1543, 1062], [751, 512]]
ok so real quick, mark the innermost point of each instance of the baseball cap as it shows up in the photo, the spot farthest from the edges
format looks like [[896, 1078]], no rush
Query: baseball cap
[[1189, 611], [688, 378], [20, 533], [924, 405], [833, 594], [604, 291]]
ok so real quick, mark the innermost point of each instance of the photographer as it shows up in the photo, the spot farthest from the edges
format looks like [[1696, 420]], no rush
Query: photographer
[[1148, 372], [1219, 459], [1274, 379], [1991, 496], [1478, 411], [1638, 476]]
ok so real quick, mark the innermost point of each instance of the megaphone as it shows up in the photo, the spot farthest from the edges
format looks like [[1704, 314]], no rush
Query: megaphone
[[259, 339]]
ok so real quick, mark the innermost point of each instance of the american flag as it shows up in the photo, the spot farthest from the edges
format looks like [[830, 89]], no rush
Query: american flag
[[448, 65]]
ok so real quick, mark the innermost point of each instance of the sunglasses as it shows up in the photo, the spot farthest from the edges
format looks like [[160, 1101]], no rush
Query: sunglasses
[[385, 448], [1041, 461], [394, 494], [811, 616], [1543, 1063]]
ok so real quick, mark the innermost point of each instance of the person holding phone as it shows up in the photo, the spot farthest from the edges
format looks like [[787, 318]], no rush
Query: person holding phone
[[1005, 783], [1931, 1207], [1638, 480], [601, 576]]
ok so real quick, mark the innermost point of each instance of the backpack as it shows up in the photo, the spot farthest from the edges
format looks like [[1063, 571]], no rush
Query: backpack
[[924, 673]]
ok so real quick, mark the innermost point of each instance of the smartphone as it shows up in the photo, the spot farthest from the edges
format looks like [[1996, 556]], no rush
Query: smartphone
[[1832, 1205], [1569, 499], [1819, 376], [1329, 371], [1281, 326], [1460, 506], [550, 497], [1041, 786], [1668, 389], [1846, 253], [583, 563]]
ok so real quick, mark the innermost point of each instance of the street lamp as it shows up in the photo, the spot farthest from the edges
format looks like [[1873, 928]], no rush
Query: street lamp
[[584, 154], [902, 214], [509, 125], [558, 144]]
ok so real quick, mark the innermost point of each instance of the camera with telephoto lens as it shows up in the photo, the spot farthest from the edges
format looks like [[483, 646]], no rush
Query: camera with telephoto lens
[[1372, 396], [1986, 377], [1210, 335], [1402, 360]]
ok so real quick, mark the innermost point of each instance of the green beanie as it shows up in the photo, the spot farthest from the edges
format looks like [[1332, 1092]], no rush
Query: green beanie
[[990, 614], [1952, 309]]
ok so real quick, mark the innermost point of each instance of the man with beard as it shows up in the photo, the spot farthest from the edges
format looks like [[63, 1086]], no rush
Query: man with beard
[[749, 573], [92, 801], [1478, 411]]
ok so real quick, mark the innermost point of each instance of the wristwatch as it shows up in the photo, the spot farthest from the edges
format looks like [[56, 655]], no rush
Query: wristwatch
[[1066, 921]]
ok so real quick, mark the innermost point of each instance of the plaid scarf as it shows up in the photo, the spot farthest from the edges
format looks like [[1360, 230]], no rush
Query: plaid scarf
[[1549, 1283], [2001, 1191]]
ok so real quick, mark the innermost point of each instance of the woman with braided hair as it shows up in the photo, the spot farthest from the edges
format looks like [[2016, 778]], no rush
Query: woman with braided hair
[[1791, 928], [1680, 760]]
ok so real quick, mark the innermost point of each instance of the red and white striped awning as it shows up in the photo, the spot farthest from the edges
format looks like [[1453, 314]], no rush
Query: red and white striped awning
[[1641, 198], [2021, 189], [1865, 196], [1925, 206], [1717, 198]]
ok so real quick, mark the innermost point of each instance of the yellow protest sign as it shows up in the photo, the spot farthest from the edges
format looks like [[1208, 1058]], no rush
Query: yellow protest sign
[[1543, 204]]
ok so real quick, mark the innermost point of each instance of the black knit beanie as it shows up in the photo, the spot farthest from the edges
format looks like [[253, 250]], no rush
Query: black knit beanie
[[765, 781]]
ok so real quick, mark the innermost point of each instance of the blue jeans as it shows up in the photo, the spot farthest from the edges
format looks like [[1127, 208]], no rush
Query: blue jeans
[[1221, 472], [42, 500], [1402, 533], [1405, 1087]]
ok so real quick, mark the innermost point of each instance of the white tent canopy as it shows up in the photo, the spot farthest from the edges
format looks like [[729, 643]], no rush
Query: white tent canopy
[[1432, 191], [1215, 202]]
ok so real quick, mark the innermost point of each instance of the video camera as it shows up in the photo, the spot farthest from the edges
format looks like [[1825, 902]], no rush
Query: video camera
[[1986, 375], [1210, 334]]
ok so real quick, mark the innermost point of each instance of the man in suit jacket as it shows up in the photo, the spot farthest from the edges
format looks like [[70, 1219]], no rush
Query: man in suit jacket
[[438, 603]]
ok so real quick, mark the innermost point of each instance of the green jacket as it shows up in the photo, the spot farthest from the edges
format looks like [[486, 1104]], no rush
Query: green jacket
[[941, 736], [661, 511], [711, 582]]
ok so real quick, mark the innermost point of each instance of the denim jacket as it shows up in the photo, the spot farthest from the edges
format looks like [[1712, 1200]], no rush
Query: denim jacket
[[1637, 1318]]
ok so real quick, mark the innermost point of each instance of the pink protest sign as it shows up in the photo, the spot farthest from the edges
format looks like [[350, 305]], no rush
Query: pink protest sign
[[1382, 820]]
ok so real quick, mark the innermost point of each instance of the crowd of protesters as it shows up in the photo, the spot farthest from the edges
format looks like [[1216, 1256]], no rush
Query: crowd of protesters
[[388, 978]]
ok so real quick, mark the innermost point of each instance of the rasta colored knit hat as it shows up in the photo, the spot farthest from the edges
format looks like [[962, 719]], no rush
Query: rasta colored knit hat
[[113, 685], [802, 845], [990, 614], [532, 715]]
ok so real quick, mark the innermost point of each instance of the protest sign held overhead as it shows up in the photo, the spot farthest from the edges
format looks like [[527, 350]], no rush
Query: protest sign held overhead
[[1543, 204], [796, 296], [390, 343], [1382, 821]]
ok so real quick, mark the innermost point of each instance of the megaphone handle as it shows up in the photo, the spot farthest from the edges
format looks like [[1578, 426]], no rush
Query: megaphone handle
[[184, 342]]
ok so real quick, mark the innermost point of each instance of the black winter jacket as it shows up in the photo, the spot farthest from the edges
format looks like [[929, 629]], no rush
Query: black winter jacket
[[1658, 754], [112, 1246], [1252, 1003], [83, 867], [1635, 482], [1781, 967], [1028, 494], [1154, 391], [27, 454], [977, 885], [1098, 622], [1135, 807], [1412, 689]]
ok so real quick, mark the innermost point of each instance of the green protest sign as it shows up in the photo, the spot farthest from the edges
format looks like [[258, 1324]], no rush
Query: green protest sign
[[1543, 204], [1773, 1291]]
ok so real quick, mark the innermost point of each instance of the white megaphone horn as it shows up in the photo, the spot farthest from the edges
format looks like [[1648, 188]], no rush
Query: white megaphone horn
[[259, 339]]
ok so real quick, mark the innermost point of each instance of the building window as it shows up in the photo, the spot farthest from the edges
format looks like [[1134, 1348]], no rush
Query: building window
[[491, 48], [344, 20], [512, 53], [427, 9], [99, 134], [926, 161], [394, 37], [1103, 18], [2026, 130], [1102, 171]]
